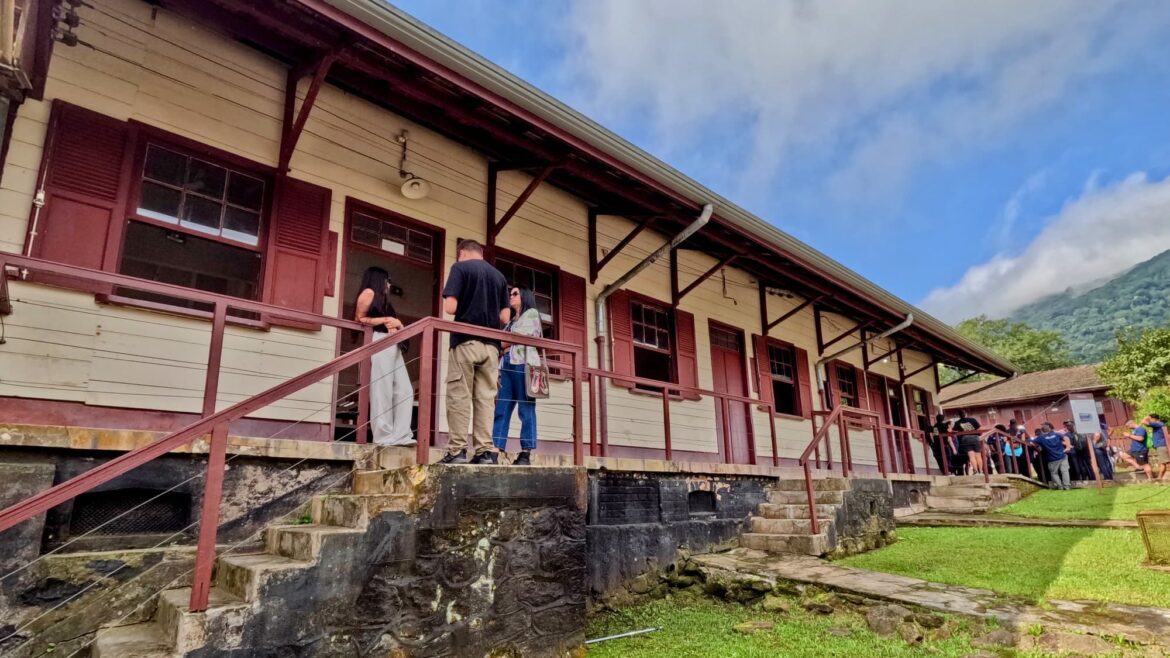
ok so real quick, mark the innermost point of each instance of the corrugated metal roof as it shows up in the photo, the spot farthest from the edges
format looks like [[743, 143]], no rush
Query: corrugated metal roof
[[447, 53]]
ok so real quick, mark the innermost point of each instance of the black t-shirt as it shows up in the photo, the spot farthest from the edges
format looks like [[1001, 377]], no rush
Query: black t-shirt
[[482, 293], [966, 424]]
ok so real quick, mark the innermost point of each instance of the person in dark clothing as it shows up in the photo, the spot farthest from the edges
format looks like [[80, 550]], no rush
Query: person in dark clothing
[[969, 444], [939, 441], [1101, 450], [1138, 455], [1055, 448], [477, 294], [1015, 450], [1080, 468]]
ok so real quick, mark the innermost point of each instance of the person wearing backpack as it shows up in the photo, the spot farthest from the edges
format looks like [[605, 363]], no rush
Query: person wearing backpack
[[1159, 455], [1138, 455]]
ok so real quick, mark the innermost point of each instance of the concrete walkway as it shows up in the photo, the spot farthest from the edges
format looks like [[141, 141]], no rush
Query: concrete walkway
[[1137, 624], [937, 519]]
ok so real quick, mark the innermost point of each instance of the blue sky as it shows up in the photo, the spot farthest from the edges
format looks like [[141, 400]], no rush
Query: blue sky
[[968, 156]]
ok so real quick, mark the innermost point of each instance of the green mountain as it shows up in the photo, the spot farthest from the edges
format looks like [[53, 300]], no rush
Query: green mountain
[[1139, 298]]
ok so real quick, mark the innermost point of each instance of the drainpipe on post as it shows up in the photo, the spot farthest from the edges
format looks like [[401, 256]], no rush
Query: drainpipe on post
[[599, 304], [885, 334]]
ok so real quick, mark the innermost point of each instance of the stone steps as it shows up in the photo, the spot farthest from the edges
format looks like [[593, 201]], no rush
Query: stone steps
[[354, 510], [780, 543], [761, 525], [965, 491], [183, 628], [958, 505], [820, 497], [795, 511], [302, 542], [145, 640], [819, 484]]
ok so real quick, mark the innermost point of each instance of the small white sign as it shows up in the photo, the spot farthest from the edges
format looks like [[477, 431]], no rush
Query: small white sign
[[393, 247], [1084, 412]]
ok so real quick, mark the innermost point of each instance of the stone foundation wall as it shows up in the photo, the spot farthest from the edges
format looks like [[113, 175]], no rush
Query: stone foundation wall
[[639, 522], [865, 519]]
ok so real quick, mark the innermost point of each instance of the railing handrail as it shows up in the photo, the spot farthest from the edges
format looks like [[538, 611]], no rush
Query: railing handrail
[[823, 431], [673, 388], [103, 473], [11, 260]]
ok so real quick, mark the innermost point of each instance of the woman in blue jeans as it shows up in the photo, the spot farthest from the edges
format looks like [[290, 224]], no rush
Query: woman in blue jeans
[[512, 390]]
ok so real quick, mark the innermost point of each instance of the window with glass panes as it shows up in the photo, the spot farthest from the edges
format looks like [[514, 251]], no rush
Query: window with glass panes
[[653, 331], [197, 223], [393, 237], [542, 283], [847, 384], [782, 366]]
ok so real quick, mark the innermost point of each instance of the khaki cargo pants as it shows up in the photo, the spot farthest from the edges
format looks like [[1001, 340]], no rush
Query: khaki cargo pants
[[471, 385]]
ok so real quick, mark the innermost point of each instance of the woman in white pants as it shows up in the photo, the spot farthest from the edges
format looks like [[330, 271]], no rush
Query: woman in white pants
[[391, 395]]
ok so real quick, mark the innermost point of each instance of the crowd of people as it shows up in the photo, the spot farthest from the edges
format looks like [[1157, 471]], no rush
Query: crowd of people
[[483, 388], [1058, 457]]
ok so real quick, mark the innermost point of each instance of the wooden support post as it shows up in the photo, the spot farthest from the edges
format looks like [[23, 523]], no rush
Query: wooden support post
[[617, 248], [495, 226], [677, 294], [292, 129]]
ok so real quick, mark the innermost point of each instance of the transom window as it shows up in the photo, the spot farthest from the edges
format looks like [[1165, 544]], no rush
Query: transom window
[[393, 237], [200, 197], [847, 384], [782, 367], [542, 283], [651, 325]]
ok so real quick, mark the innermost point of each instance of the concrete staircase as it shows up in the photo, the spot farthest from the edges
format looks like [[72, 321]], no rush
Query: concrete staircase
[[239, 579], [782, 525], [971, 495]]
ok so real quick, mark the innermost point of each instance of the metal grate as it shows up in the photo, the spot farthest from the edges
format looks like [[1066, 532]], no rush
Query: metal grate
[[144, 511], [1155, 526]]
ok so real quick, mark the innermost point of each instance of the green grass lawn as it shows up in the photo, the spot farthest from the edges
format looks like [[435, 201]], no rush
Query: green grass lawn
[[1035, 563], [1117, 503], [696, 627]]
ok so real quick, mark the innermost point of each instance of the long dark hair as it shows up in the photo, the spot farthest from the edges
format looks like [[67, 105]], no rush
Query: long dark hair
[[378, 280], [527, 301]]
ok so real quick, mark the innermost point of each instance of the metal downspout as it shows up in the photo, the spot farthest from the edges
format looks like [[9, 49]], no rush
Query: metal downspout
[[601, 320], [820, 367]]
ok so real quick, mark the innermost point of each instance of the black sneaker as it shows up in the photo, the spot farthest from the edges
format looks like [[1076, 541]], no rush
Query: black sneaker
[[523, 459], [454, 458], [485, 457]]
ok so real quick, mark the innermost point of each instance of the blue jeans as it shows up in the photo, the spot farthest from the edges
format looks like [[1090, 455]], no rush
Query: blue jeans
[[512, 391]]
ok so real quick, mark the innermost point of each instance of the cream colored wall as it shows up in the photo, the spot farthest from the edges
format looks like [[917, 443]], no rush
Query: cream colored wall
[[168, 73]]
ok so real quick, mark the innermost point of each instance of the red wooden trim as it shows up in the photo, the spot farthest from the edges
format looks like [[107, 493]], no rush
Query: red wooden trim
[[848, 332], [214, 356], [744, 362], [906, 376], [291, 134], [591, 236], [209, 520], [768, 326], [617, 248], [536, 263], [493, 177], [495, 227], [723, 262]]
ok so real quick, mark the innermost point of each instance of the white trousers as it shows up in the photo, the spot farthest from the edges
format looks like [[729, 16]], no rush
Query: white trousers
[[391, 397]]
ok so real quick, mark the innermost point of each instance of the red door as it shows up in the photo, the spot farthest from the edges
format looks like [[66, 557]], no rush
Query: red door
[[729, 375]]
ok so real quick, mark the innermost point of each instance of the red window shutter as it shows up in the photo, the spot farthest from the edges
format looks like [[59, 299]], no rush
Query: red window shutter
[[834, 388], [298, 246], [862, 388], [762, 370], [804, 383], [331, 266], [621, 333], [686, 357], [571, 315], [85, 156]]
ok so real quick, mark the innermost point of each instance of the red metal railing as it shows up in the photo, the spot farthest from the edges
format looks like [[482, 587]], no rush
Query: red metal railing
[[216, 423], [599, 429]]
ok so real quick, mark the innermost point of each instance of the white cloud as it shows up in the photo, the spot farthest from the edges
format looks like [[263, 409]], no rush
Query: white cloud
[[1094, 237], [872, 88]]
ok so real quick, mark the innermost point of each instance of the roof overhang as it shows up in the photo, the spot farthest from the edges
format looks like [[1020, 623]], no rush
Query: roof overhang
[[394, 60]]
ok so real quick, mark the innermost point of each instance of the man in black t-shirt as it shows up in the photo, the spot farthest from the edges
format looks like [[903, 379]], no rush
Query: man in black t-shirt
[[475, 293]]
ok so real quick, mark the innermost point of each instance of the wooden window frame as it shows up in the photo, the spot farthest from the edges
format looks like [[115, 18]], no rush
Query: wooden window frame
[[536, 264], [838, 394], [799, 414], [672, 353], [148, 135]]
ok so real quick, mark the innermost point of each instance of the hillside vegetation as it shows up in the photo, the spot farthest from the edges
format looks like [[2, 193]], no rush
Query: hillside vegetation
[[1088, 321]]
